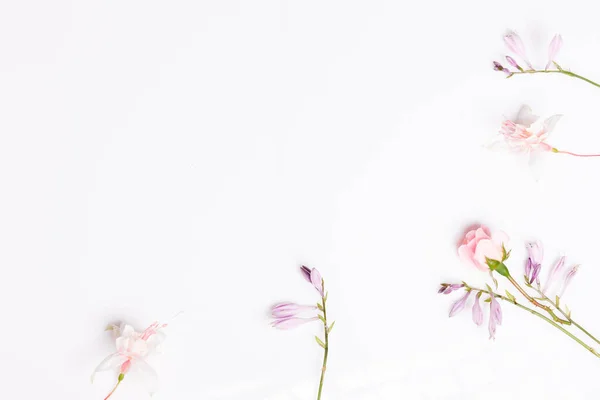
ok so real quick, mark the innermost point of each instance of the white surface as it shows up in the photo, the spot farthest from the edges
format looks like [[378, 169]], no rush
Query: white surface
[[189, 155]]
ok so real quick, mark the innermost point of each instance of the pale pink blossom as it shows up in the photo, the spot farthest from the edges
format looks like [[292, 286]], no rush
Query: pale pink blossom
[[515, 44], [554, 272], [283, 310], [553, 49], [535, 251], [572, 271], [495, 316], [291, 322], [459, 304], [313, 276], [447, 288], [477, 311], [528, 133], [132, 349], [478, 244]]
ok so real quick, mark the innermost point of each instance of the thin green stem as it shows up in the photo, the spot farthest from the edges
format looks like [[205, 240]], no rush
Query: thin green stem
[[555, 71], [536, 303], [567, 316], [542, 316], [121, 377], [326, 349]]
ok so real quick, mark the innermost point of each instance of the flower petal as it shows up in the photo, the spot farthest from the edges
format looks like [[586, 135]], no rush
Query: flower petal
[[466, 255], [112, 362], [150, 377], [317, 280], [525, 116], [550, 123], [487, 248]]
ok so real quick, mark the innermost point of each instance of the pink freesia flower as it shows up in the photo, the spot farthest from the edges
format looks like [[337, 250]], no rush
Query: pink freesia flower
[[515, 44], [553, 49], [132, 349], [479, 244], [495, 316], [528, 133], [459, 304], [477, 311]]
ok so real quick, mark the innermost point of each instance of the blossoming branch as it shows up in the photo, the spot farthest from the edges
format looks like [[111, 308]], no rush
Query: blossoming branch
[[487, 252], [286, 316], [515, 45]]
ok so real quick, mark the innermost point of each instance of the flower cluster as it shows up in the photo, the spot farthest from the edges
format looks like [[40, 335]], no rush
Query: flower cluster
[[515, 45]]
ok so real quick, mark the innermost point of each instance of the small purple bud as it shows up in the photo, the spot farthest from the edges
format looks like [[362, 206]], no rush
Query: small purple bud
[[512, 62], [446, 288], [532, 271], [317, 281], [305, 272], [498, 66], [459, 304]]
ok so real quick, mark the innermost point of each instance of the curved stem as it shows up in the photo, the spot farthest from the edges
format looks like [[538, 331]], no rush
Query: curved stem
[[542, 316], [555, 150], [536, 303], [546, 298], [115, 388], [326, 349], [555, 71]]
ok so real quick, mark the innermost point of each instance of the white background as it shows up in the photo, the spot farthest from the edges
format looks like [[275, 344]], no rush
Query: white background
[[190, 155]]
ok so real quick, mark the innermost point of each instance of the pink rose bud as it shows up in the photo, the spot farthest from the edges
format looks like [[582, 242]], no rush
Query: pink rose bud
[[479, 246]]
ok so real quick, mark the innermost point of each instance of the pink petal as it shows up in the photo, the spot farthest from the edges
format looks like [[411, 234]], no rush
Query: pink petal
[[467, 256], [487, 248], [525, 117], [112, 362], [317, 281], [500, 238], [553, 49], [481, 234], [469, 236], [550, 123]]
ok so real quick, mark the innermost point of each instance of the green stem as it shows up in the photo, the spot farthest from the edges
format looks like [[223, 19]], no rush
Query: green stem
[[555, 71], [536, 303], [326, 350], [546, 298], [121, 377], [542, 316]]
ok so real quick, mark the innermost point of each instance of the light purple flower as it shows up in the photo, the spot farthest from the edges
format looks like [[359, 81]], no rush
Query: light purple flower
[[499, 67], [553, 49], [495, 316], [305, 272], [554, 272], [532, 271], [536, 252], [477, 312], [447, 288], [317, 281], [459, 305], [283, 310], [568, 279], [291, 322], [512, 62], [515, 44]]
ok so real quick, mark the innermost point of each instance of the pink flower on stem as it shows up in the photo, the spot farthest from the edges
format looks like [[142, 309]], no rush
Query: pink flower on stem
[[283, 310], [291, 322], [446, 288], [553, 273], [459, 304], [528, 133], [535, 251], [534, 262], [495, 316], [132, 349], [553, 49], [477, 311], [314, 277], [479, 244], [515, 44]]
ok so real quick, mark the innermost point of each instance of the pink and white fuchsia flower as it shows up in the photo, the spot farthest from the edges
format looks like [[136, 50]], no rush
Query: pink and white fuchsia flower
[[132, 349], [528, 133]]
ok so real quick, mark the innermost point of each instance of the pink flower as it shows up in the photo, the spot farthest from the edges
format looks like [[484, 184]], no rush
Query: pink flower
[[477, 312], [553, 273], [572, 271], [479, 244], [553, 49], [495, 316], [535, 251], [459, 305], [528, 133], [314, 277], [447, 288], [283, 310], [515, 44], [132, 348], [291, 322]]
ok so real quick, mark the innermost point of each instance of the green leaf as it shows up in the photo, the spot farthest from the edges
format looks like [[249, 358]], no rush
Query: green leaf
[[488, 300], [320, 342], [511, 297], [330, 327], [557, 301], [568, 312], [322, 318], [319, 306], [325, 298]]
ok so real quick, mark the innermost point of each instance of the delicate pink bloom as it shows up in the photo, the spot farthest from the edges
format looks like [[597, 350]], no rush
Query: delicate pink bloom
[[528, 132], [283, 310], [554, 272], [572, 271], [446, 288], [479, 244], [132, 349], [459, 304], [553, 49], [532, 271], [512, 62], [495, 316], [291, 322], [477, 312], [515, 44], [317, 281]]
